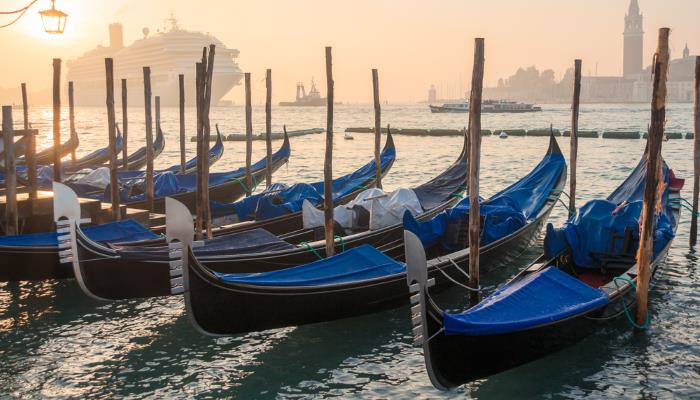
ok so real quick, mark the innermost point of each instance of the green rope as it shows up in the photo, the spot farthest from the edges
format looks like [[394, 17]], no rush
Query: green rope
[[647, 320], [361, 187], [457, 195], [573, 210], [244, 186], [342, 243], [560, 192], [308, 246]]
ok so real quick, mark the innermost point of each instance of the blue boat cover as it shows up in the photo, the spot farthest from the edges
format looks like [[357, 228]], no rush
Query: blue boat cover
[[592, 229], [247, 242], [504, 213], [126, 230], [544, 297], [357, 264], [280, 199]]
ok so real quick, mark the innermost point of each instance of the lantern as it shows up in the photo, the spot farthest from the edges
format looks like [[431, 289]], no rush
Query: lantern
[[54, 20]]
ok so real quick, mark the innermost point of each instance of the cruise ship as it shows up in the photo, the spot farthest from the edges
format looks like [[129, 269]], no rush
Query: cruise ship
[[169, 52]]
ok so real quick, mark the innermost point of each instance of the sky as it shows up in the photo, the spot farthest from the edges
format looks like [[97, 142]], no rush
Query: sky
[[413, 43]]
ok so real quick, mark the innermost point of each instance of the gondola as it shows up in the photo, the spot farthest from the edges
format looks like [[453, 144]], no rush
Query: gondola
[[358, 281], [582, 282], [137, 159], [103, 269], [46, 156], [25, 252]]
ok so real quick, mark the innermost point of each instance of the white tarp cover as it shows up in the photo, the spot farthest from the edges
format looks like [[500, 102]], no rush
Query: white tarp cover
[[99, 177], [385, 209]]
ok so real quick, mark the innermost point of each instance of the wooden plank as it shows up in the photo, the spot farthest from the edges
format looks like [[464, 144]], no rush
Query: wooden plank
[[696, 155], [30, 152], [248, 136], [112, 140], [11, 219], [268, 128], [183, 160], [574, 136], [125, 127], [328, 161], [149, 137], [474, 164], [57, 119], [377, 128], [654, 140]]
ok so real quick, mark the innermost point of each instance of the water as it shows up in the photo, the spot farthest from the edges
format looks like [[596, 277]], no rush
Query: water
[[56, 342]]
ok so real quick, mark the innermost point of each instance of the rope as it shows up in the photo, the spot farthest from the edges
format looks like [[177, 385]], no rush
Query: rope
[[647, 320], [560, 192], [342, 243], [559, 200], [22, 10], [244, 186], [363, 187], [308, 246]]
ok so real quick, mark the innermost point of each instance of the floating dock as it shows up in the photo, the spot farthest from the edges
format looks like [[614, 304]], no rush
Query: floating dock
[[521, 133]]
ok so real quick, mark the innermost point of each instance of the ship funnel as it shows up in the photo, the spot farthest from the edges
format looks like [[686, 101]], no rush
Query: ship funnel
[[116, 36]]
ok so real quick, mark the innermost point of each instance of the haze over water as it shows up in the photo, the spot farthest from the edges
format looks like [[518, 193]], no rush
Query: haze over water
[[54, 341]]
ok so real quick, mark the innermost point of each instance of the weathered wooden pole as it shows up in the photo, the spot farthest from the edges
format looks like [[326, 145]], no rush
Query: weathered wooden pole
[[467, 149], [696, 155], [474, 163], [199, 91], [149, 137], [328, 162], [268, 128], [57, 119], [30, 146], [377, 127], [125, 128], [248, 136], [655, 139], [183, 160], [574, 136], [71, 116], [8, 138], [111, 130], [209, 76]]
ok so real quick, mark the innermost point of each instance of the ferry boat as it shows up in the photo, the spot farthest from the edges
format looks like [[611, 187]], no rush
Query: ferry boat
[[312, 99], [488, 106], [170, 52]]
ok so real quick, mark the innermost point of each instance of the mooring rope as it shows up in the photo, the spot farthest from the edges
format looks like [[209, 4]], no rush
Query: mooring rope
[[647, 320]]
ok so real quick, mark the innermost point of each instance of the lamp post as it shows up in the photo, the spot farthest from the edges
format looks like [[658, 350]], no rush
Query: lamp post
[[54, 20]]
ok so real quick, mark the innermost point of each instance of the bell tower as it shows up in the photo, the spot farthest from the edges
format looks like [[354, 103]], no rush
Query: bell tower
[[634, 42]]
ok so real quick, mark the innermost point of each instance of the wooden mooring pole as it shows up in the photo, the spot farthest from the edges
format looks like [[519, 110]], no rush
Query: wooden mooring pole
[[696, 155], [8, 138], [111, 130], [328, 161], [71, 116], [206, 125], [574, 136], [474, 163], [125, 127], [199, 222], [268, 128], [149, 137], [248, 136], [650, 199], [57, 119], [183, 160], [377, 128], [30, 149]]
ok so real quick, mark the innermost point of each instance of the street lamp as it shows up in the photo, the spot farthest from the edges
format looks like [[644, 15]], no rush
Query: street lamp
[[54, 20]]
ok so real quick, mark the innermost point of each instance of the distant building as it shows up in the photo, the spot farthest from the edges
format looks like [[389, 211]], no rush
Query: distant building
[[432, 94], [633, 56]]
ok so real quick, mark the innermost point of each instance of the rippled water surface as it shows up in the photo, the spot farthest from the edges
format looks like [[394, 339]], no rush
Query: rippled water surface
[[54, 341]]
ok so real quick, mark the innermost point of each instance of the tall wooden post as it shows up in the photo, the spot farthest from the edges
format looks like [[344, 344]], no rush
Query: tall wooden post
[[696, 155], [125, 127], [248, 136], [574, 135], [199, 202], [183, 161], [71, 116], [111, 129], [474, 163], [8, 137], [655, 139], [268, 128], [57, 119], [377, 128], [206, 125], [149, 137], [30, 143], [328, 162]]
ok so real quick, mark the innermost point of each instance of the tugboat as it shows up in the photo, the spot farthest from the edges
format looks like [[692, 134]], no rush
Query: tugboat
[[312, 99], [488, 106]]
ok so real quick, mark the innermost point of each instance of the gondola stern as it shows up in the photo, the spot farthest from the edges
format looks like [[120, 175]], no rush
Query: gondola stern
[[389, 144], [553, 145]]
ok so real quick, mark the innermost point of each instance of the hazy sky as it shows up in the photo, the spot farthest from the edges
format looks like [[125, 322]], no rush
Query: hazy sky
[[412, 43]]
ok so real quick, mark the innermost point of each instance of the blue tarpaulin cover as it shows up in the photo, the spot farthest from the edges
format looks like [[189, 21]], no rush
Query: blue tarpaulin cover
[[357, 264], [591, 230], [279, 199], [543, 297], [126, 230], [504, 213], [247, 242]]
